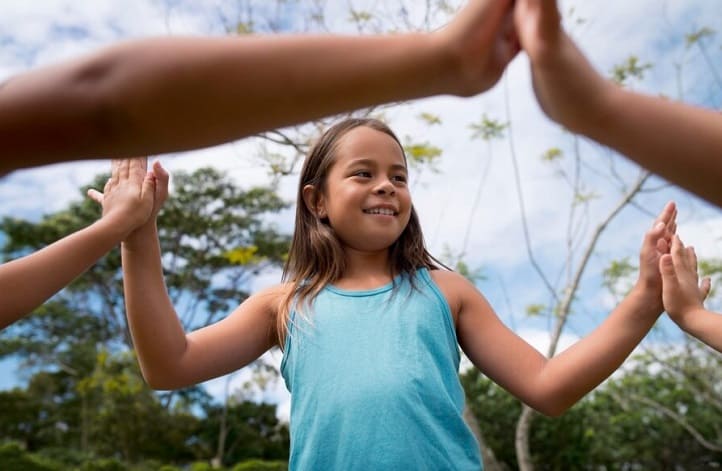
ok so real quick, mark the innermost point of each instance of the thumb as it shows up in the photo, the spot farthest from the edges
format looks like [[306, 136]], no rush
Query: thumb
[[96, 196], [666, 268], [148, 188], [704, 287]]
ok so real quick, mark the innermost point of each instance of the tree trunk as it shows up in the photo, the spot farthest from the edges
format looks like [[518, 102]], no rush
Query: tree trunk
[[521, 442], [487, 454]]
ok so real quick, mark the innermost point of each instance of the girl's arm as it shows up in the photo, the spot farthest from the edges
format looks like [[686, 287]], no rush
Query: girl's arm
[[169, 358], [683, 294], [682, 143], [28, 282], [553, 385], [171, 94]]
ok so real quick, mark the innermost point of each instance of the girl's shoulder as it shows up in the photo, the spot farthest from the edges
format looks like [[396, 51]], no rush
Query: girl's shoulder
[[452, 285], [272, 296]]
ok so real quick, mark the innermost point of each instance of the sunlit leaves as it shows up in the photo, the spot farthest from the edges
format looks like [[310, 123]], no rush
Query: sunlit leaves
[[488, 129], [632, 68]]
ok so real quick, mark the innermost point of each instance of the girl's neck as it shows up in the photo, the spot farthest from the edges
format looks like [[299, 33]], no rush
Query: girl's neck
[[365, 270]]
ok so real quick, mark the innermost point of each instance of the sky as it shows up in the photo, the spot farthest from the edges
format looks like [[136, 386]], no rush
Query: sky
[[471, 203]]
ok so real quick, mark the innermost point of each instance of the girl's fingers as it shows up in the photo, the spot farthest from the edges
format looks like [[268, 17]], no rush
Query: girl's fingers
[[691, 258], [114, 171], [96, 196], [705, 287], [138, 167]]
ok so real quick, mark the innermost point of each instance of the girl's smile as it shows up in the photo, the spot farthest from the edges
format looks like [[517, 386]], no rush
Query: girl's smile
[[369, 173]]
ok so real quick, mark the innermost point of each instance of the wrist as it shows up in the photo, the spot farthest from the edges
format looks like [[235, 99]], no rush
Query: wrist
[[139, 238], [607, 99], [648, 297]]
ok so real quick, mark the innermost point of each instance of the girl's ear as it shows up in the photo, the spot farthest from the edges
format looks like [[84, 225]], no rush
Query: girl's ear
[[314, 201]]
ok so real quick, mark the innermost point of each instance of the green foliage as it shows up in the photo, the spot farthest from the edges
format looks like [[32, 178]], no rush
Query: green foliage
[[14, 458], [488, 129], [253, 432], [535, 310], [421, 153], [632, 68], [103, 464], [662, 413], [200, 466], [430, 118], [258, 465], [617, 275], [552, 154], [695, 37]]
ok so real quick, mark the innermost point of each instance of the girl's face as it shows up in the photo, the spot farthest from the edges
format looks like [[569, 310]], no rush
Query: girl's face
[[366, 197]]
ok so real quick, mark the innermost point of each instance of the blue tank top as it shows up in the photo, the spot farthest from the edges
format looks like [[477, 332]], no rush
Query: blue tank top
[[374, 382]]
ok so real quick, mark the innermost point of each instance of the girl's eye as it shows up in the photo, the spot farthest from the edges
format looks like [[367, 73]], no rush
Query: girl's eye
[[399, 178], [363, 174]]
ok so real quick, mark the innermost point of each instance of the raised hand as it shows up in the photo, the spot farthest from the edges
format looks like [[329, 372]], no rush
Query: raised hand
[[566, 85], [483, 40], [128, 197], [682, 292], [657, 242]]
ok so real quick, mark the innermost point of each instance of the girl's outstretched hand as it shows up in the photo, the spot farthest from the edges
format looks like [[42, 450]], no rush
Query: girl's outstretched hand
[[129, 194], [566, 85], [657, 242], [682, 292], [161, 178], [482, 42]]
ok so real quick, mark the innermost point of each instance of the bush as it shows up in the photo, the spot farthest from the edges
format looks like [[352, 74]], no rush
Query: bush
[[103, 464], [201, 466], [260, 465], [14, 458]]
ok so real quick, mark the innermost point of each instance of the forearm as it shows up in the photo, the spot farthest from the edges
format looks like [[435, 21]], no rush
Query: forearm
[[680, 142], [569, 376], [706, 326], [163, 95], [28, 282], [158, 336]]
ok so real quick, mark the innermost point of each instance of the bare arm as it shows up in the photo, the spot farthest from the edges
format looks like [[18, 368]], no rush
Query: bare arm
[[553, 385], [169, 358], [164, 95], [28, 282], [680, 142], [683, 295]]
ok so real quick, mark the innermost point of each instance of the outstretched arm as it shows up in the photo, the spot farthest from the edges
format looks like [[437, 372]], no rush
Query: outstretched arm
[[169, 358], [28, 282], [680, 142], [163, 95], [683, 295], [553, 385]]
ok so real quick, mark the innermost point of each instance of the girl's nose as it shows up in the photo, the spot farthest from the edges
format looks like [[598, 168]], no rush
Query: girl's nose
[[385, 187]]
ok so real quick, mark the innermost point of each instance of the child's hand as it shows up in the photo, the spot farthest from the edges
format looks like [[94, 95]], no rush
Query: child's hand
[[568, 88], [656, 243], [161, 177], [129, 193], [482, 41], [682, 293]]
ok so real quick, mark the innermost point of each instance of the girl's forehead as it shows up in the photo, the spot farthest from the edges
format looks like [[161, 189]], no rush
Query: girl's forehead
[[364, 143]]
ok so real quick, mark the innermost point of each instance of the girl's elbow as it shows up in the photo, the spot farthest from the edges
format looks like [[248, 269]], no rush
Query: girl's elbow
[[159, 381], [552, 406]]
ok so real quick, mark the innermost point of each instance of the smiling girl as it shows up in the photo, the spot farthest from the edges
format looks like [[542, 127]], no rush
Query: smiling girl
[[370, 323]]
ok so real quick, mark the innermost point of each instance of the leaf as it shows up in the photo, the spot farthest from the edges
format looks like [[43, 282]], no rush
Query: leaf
[[488, 129]]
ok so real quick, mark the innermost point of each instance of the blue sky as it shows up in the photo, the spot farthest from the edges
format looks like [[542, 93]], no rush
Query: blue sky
[[43, 32]]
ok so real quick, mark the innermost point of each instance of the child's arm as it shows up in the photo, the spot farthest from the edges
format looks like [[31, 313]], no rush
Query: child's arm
[[28, 282], [553, 385], [170, 94], [169, 358], [683, 294], [680, 142]]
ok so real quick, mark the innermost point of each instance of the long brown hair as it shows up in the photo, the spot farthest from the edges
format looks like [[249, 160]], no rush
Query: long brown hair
[[316, 257]]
